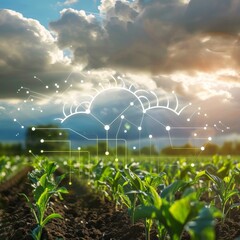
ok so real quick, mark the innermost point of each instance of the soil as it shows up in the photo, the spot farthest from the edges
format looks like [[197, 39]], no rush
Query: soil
[[85, 217]]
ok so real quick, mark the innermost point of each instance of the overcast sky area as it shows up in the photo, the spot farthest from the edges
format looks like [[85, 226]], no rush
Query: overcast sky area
[[55, 52]]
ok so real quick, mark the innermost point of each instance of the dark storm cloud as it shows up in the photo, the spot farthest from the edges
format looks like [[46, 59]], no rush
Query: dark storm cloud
[[219, 16], [156, 36], [26, 49]]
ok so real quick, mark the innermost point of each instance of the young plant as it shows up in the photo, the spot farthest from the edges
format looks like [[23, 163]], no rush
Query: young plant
[[225, 190], [44, 187], [173, 218]]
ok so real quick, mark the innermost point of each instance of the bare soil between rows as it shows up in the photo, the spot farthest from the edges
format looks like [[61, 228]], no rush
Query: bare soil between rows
[[85, 217]]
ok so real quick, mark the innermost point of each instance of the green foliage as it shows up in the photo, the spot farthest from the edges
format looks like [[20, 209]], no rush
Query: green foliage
[[54, 139], [224, 189], [45, 185]]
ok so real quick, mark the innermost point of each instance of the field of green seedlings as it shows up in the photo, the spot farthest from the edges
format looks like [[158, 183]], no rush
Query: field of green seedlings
[[162, 198]]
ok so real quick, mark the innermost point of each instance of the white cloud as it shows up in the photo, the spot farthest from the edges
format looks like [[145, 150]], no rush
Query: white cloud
[[153, 36], [26, 49], [67, 2]]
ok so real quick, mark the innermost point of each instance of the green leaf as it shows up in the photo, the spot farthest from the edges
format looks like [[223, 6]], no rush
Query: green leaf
[[136, 192], [142, 212], [181, 209], [203, 226], [170, 190], [49, 217], [43, 180], [36, 231], [51, 167], [42, 201], [38, 192], [60, 178], [62, 190], [157, 201]]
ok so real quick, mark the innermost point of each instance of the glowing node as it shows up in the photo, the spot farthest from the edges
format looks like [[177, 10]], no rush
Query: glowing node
[[116, 159], [33, 128], [47, 87], [22, 127], [82, 81], [70, 183], [202, 148], [173, 92], [65, 81], [18, 109], [125, 131], [60, 134], [199, 108], [42, 151], [89, 72], [205, 128], [131, 103], [134, 147], [24, 101], [79, 148], [106, 127], [33, 109], [222, 130], [219, 121], [144, 111], [150, 136], [30, 151], [56, 91], [209, 139], [168, 128], [198, 113], [31, 99], [14, 119], [27, 92], [87, 111], [106, 153], [139, 128], [190, 104], [42, 140], [195, 134], [122, 117], [188, 119], [205, 115]]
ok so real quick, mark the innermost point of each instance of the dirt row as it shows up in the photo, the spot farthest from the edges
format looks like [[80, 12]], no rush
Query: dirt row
[[85, 217]]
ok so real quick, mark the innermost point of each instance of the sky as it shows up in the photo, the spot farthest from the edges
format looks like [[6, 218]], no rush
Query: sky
[[53, 52]]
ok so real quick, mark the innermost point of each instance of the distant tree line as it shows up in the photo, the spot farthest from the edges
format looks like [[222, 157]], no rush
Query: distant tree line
[[11, 149], [50, 138]]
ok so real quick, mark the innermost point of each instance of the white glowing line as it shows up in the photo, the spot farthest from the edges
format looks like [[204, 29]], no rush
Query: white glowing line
[[120, 114], [104, 90], [176, 98], [167, 103], [155, 95], [86, 138], [123, 83], [115, 80], [132, 85], [141, 90], [167, 108], [79, 105], [149, 104]]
